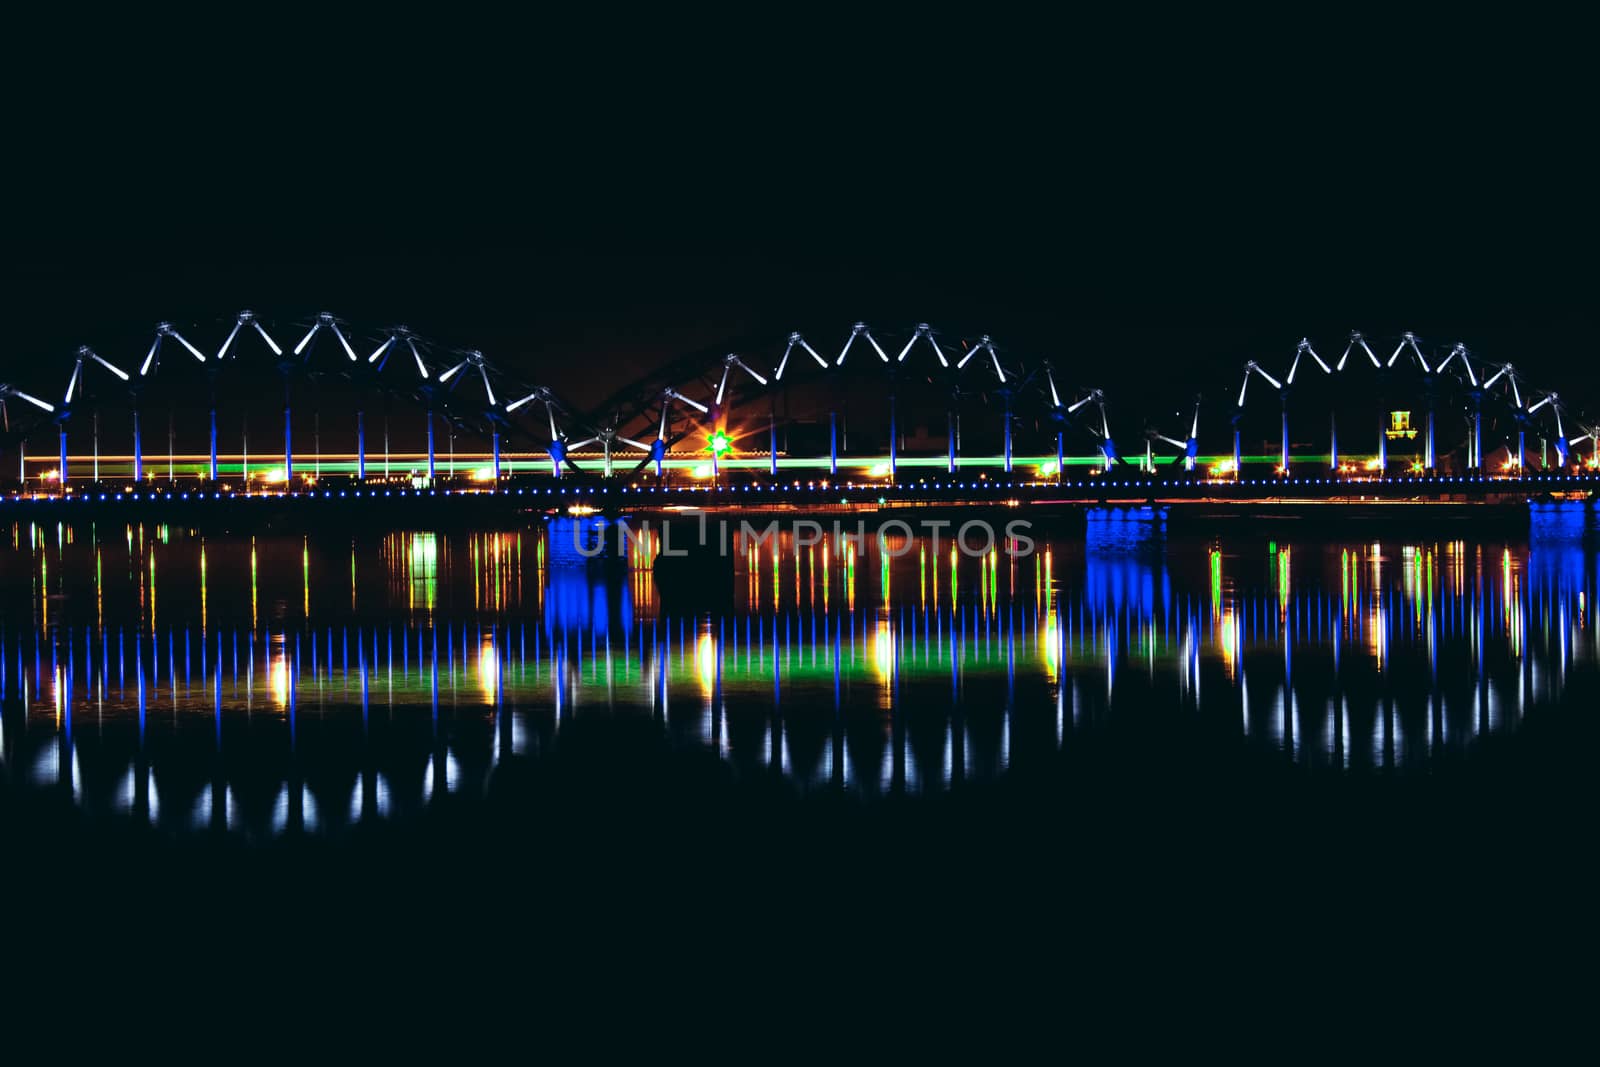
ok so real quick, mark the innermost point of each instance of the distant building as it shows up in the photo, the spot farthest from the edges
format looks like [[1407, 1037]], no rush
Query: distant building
[[1400, 426]]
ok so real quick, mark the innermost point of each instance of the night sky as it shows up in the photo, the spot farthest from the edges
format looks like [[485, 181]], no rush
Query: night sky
[[1149, 218]]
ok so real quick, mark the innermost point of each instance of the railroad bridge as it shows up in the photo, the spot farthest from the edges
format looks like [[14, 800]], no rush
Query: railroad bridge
[[907, 411]]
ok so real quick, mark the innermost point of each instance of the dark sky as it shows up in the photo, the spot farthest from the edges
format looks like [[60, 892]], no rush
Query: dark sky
[[1148, 212]]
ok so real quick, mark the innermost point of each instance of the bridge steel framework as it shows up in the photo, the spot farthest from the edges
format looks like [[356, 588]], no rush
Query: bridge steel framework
[[697, 408]]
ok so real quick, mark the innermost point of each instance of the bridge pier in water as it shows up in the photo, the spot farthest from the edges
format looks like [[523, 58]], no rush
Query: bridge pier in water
[[361, 444]]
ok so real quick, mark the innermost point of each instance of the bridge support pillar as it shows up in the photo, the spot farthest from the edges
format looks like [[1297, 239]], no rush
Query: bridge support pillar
[[1061, 457], [1283, 452], [361, 444], [495, 443], [894, 456], [1236, 456], [1475, 458], [1333, 443], [213, 467], [138, 450], [1383, 447], [833, 443], [288, 446], [430, 446], [772, 444], [1008, 435], [63, 459], [950, 441], [1428, 463], [1522, 450]]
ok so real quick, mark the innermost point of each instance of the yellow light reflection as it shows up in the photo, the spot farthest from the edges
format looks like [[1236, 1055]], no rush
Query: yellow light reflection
[[1226, 640], [488, 669], [705, 662], [883, 651], [279, 673], [1050, 646]]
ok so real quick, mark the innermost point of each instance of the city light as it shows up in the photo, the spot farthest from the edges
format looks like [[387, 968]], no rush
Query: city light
[[879, 470], [483, 474], [719, 443]]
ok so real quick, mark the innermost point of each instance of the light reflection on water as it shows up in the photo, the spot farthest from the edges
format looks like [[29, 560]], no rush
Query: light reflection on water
[[310, 683]]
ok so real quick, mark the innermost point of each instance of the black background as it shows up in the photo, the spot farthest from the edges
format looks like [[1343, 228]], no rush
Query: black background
[[1150, 204], [1151, 197]]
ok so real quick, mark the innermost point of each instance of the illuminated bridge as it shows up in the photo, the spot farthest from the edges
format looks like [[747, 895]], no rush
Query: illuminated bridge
[[863, 414]]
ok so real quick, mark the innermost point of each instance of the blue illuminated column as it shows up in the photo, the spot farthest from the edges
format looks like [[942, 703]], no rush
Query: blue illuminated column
[[1522, 449], [496, 445], [361, 444], [213, 444], [1333, 442], [1383, 447], [833, 443], [1427, 449], [1284, 451], [1236, 456], [288, 447], [1008, 434], [1475, 460], [63, 457], [894, 455], [1061, 457], [772, 443], [138, 450], [950, 440], [430, 446]]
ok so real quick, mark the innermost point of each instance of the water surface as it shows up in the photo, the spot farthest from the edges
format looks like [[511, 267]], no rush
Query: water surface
[[270, 685]]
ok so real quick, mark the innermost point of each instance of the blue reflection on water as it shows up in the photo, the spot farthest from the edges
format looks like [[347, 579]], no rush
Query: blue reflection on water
[[1356, 655], [585, 590], [1125, 554]]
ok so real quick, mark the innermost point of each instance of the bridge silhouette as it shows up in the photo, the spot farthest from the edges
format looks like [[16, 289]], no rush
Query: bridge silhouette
[[910, 411]]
